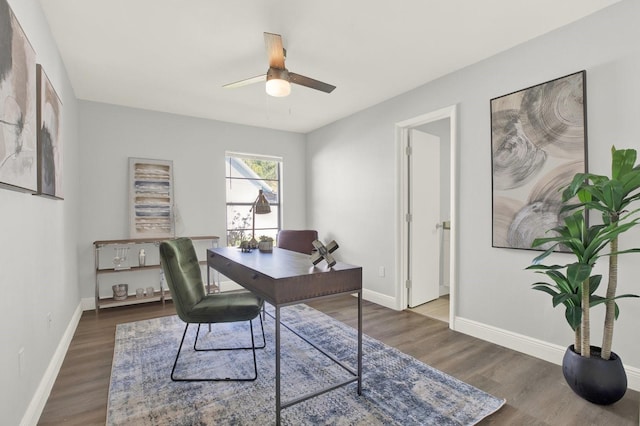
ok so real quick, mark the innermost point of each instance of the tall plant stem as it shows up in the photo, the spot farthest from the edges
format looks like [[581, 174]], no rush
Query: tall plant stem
[[577, 345], [610, 312], [584, 324]]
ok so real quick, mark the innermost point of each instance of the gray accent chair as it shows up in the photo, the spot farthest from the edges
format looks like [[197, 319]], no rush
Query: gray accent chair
[[300, 241]]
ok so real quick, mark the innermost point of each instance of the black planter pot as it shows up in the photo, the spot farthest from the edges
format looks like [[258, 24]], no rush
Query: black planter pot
[[595, 379]]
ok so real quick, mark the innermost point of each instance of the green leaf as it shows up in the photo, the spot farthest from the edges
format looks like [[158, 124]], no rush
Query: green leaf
[[594, 283], [613, 194], [625, 295], [539, 258], [578, 272], [560, 299], [569, 207], [572, 189], [622, 161], [633, 250], [630, 181], [545, 267], [546, 289], [573, 314], [596, 300]]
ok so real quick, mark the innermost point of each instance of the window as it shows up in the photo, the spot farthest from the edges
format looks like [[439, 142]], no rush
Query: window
[[245, 176]]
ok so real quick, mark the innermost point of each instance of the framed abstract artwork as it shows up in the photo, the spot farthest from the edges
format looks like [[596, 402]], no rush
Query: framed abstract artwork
[[538, 143], [151, 198], [18, 162], [49, 137]]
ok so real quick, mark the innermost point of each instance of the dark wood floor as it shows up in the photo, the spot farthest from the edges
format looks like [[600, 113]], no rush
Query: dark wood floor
[[535, 390]]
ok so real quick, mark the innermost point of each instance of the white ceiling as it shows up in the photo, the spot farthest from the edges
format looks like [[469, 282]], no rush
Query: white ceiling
[[175, 55]]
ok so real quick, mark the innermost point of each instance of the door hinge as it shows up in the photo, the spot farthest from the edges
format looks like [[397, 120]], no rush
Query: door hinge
[[409, 217], [409, 151], [408, 284]]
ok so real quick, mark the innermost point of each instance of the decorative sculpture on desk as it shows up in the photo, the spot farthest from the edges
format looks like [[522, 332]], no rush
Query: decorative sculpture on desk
[[324, 253]]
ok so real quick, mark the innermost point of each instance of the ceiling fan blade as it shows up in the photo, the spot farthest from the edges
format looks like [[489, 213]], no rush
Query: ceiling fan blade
[[275, 51], [246, 81], [310, 82]]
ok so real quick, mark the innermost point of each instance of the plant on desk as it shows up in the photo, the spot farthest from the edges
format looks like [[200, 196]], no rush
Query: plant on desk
[[265, 244]]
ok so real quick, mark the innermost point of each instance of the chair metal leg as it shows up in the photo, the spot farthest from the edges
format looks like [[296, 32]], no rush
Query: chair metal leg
[[226, 379], [264, 342]]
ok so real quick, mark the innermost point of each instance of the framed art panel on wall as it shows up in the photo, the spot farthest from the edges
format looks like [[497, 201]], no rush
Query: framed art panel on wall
[[18, 165], [151, 198], [49, 138], [538, 143]]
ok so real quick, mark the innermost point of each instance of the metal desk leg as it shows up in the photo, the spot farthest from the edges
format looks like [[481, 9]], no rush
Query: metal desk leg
[[278, 405], [208, 288], [360, 343]]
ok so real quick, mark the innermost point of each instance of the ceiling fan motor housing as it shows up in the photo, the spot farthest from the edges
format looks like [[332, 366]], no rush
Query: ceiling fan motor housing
[[279, 74]]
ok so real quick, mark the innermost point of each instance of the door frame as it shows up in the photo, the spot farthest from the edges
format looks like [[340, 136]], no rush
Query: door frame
[[402, 184]]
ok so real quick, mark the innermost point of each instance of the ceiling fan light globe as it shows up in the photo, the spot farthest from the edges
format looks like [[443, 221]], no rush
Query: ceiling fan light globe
[[278, 88]]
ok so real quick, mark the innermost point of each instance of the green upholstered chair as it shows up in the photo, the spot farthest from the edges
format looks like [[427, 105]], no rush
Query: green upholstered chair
[[182, 273]]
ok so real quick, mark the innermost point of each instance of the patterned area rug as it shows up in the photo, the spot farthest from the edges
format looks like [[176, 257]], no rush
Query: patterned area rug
[[397, 389]]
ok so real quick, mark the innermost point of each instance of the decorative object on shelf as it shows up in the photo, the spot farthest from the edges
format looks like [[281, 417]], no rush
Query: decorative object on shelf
[[139, 293], [151, 198], [18, 161], [120, 291], [538, 142], [49, 138], [266, 244], [260, 206], [596, 374], [245, 247], [142, 257], [324, 253], [120, 258], [103, 266]]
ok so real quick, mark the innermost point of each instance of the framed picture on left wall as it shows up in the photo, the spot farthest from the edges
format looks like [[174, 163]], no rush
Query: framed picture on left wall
[[49, 138], [18, 162]]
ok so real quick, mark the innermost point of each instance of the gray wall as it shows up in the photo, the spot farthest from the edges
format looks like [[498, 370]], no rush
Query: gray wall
[[38, 262], [352, 170], [110, 134]]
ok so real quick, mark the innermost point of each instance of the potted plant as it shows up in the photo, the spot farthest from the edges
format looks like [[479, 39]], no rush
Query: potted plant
[[265, 244], [594, 373]]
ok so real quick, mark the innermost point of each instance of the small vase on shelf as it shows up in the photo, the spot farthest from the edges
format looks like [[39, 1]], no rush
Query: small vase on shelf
[[142, 257]]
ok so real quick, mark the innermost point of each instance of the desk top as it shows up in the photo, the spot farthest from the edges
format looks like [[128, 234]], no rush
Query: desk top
[[284, 276]]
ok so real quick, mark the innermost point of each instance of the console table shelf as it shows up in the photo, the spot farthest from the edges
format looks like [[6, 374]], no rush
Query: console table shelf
[[104, 266]]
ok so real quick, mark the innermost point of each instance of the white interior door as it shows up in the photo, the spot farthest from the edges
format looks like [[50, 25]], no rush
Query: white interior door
[[424, 207]]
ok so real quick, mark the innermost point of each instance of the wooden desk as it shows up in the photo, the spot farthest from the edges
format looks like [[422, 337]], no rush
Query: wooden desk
[[284, 278]]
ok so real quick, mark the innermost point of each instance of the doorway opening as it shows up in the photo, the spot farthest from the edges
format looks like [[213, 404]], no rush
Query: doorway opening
[[427, 214]]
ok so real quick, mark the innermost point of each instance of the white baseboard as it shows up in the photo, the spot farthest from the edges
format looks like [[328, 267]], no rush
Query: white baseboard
[[88, 303], [39, 400], [379, 298], [528, 345]]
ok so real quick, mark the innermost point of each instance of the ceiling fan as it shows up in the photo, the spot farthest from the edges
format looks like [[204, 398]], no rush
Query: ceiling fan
[[278, 77]]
